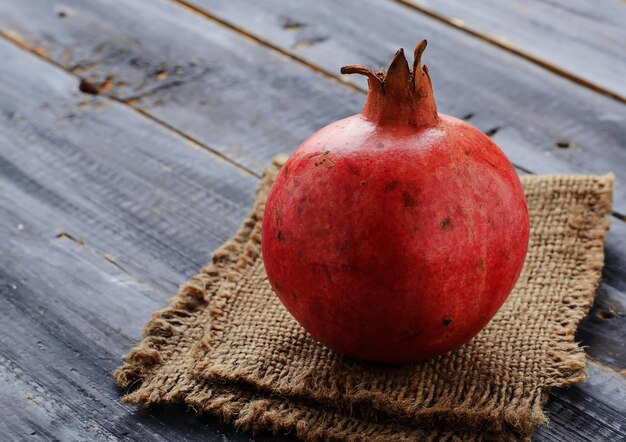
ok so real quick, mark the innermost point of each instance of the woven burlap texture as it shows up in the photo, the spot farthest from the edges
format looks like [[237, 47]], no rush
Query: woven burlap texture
[[227, 346]]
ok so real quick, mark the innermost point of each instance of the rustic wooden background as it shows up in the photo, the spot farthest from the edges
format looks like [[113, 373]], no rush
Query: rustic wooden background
[[133, 134]]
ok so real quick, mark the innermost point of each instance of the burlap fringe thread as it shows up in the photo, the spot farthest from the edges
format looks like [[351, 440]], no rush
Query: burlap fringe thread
[[169, 364]]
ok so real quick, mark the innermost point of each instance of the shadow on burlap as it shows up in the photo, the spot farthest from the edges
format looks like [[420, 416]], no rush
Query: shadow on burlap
[[227, 346]]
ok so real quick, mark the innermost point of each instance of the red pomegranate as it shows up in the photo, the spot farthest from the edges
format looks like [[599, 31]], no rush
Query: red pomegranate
[[396, 234]]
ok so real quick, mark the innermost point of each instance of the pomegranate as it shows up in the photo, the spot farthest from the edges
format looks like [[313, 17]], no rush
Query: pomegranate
[[396, 234]]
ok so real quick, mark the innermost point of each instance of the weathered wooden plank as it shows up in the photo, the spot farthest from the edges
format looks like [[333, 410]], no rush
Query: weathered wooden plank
[[533, 111], [195, 75], [592, 411], [150, 207], [577, 37], [102, 172], [603, 331], [66, 318], [225, 91]]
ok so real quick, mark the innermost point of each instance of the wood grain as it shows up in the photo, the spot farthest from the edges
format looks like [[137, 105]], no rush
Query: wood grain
[[103, 214], [226, 92], [103, 206], [194, 75], [579, 38], [67, 318], [104, 173], [603, 331], [530, 111], [591, 411]]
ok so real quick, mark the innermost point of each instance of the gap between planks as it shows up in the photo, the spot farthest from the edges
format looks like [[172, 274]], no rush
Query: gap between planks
[[326, 73], [194, 142], [258, 40], [90, 248], [616, 371], [459, 25]]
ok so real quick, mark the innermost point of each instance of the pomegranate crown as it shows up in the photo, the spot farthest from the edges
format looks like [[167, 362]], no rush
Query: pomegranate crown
[[402, 95]]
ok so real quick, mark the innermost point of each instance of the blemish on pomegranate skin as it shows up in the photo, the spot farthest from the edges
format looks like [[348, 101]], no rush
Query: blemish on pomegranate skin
[[301, 205], [447, 321], [280, 237], [481, 265], [446, 224], [380, 146], [353, 169], [408, 200], [278, 218], [324, 268], [391, 186], [278, 287], [409, 336], [468, 153], [363, 183]]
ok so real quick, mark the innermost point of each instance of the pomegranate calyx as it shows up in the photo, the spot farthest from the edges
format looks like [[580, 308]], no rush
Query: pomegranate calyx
[[401, 95]]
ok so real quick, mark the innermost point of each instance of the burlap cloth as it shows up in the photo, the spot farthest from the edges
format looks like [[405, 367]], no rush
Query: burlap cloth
[[227, 346]]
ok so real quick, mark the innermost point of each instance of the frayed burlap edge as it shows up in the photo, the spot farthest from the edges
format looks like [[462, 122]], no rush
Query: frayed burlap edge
[[246, 408]]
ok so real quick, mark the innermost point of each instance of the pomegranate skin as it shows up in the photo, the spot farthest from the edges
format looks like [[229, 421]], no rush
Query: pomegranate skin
[[393, 243]]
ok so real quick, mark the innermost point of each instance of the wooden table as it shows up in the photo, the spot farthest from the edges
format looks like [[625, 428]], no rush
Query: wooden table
[[133, 134]]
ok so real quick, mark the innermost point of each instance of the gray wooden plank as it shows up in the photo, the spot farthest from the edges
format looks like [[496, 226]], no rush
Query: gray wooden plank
[[603, 331], [194, 75], [150, 209], [224, 91], [578, 37], [67, 316], [104, 173], [594, 410], [531, 110]]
